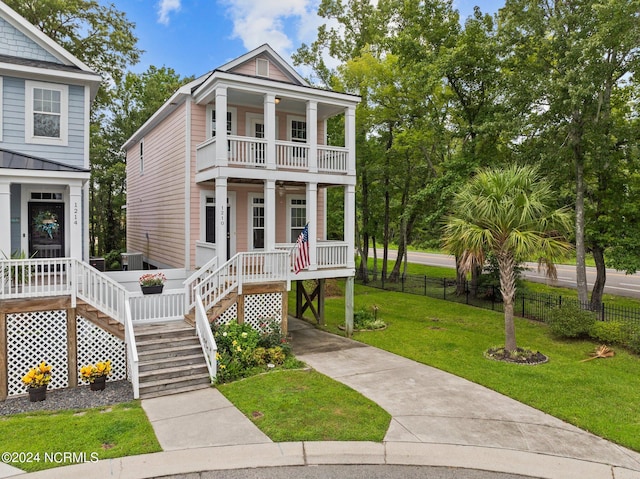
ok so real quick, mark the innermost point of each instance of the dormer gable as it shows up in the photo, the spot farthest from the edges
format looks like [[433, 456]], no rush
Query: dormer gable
[[264, 62], [14, 43]]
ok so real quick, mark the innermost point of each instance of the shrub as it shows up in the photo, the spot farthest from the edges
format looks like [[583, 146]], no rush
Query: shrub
[[609, 332], [244, 351], [363, 319], [570, 321], [633, 343]]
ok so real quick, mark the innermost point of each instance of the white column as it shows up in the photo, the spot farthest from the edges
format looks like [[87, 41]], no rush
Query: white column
[[5, 218], [312, 135], [270, 129], [350, 223], [350, 138], [74, 236], [221, 220], [85, 222], [348, 305], [222, 155], [312, 219], [270, 215]]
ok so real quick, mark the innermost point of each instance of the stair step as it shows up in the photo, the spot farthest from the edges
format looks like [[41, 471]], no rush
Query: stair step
[[171, 362], [155, 394], [162, 343], [164, 385], [183, 371], [167, 330], [171, 352]]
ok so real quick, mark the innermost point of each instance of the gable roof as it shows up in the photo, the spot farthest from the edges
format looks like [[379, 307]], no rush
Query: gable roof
[[67, 62], [266, 49]]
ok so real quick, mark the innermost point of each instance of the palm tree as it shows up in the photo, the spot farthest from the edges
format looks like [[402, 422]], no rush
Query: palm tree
[[510, 214]]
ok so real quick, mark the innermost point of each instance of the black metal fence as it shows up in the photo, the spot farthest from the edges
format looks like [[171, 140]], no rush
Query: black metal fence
[[536, 306]]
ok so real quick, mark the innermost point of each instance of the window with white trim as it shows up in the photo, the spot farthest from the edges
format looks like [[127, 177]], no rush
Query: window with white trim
[[141, 156], [212, 124], [257, 222], [46, 113], [297, 212], [299, 131]]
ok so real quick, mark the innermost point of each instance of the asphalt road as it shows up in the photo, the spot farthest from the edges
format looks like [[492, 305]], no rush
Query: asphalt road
[[351, 472], [618, 282]]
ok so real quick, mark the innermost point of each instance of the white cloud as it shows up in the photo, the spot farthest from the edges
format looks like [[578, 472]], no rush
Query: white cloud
[[165, 7], [280, 23]]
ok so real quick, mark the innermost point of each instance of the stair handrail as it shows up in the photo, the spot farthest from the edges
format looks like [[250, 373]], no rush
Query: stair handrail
[[221, 282], [195, 279], [100, 291], [207, 341], [132, 350]]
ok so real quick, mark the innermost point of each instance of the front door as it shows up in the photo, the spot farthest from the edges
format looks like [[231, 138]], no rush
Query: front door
[[210, 223], [46, 230]]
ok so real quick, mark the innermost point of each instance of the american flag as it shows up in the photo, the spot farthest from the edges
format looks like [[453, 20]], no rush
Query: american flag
[[302, 250]]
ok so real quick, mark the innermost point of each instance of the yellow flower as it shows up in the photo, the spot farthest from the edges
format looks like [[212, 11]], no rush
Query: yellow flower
[[234, 342], [244, 335], [239, 349], [222, 366]]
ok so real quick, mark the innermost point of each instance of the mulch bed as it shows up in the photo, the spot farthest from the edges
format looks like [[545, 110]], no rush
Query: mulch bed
[[70, 398], [521, 356]]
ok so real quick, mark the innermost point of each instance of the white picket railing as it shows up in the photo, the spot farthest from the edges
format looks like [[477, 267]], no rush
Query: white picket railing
[[247, 151], [333, 159], [33, 278], [100, 291], [195, 279], [168, 306], [331, 254], [132, 351], [207, 341], [292, 155]]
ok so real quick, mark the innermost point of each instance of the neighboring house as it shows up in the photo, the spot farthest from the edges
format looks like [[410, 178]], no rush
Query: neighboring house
[[44, 143], [238, 161]]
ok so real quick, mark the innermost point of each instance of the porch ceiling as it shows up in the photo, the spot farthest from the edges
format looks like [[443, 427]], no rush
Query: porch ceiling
[[293, 106]]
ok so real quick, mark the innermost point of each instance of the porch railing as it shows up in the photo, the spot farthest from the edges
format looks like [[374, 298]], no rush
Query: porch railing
[[33, 278], [333, 159], [292, 155], [132, 351], [247, 267], [100, 291], [331, 254], [207, 341], [247, 151], [191, 283], [168, 306]]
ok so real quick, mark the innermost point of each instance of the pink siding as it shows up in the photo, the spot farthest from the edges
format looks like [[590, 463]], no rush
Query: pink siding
[[155, 199], [320, 214], [198, 135], [249, 68]]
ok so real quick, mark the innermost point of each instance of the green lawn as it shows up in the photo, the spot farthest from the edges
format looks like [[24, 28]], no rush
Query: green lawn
[[599, 396], [307, 406], [101, 433]]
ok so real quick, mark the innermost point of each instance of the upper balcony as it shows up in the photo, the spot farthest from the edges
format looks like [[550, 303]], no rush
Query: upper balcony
[[250, 152]]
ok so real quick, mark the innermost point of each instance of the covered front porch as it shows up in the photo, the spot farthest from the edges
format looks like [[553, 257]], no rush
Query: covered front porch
[[43, 208]]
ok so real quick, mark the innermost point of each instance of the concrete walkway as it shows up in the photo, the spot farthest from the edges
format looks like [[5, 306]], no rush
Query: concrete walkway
[[437, 420]]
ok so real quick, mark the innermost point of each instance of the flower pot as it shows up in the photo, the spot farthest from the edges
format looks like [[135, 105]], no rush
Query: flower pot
[[152, 289], [38, 394], [98, 384]]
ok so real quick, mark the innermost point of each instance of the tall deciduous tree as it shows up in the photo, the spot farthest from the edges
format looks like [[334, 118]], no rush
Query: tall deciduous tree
[[510, 214], [569, 62]]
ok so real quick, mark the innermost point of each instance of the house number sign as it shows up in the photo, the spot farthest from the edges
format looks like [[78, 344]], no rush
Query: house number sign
[[222, 215], [75, 213]]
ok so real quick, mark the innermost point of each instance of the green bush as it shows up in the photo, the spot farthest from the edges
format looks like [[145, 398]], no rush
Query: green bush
[[244, 351], [633, 343], [609, 332], [569, 321], [113, 259], [364, 319]]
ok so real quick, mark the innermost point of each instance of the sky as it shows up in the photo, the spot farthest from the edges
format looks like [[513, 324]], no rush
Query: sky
[[196, 36]]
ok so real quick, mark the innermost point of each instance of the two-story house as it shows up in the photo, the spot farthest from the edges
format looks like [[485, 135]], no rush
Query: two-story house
[[238, 161], [44, 143]]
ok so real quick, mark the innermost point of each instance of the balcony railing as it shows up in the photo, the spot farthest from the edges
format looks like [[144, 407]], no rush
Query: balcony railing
[[243, 151]]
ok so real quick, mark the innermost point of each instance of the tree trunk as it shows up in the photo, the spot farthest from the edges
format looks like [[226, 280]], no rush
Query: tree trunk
[[581, 267], [506, 264], [476, 272], [461, 279], [363, 271], [601, 279], [375, 258]]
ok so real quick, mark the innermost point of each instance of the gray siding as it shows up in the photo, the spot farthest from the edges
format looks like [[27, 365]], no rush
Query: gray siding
[[15, 43], [13, 117], [16, 191]]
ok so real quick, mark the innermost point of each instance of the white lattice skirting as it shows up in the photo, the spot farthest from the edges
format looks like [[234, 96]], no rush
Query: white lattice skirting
[[42, 336], [258, 308]]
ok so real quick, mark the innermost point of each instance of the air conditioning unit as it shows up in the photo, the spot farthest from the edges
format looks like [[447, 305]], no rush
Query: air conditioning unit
[[131, 261], [97, 263]]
